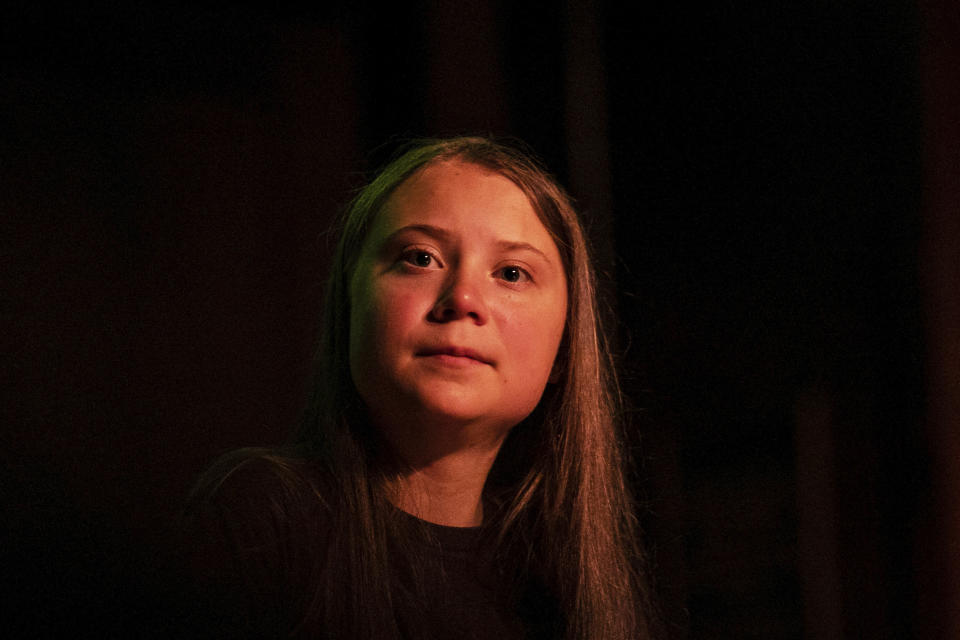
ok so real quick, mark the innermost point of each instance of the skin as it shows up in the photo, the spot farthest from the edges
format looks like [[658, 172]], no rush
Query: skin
[[458, 305]]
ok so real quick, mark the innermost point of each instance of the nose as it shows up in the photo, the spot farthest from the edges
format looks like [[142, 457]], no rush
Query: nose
[[461, 298]]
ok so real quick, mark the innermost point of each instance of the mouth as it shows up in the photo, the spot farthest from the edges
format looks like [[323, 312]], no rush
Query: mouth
[[451, 353]]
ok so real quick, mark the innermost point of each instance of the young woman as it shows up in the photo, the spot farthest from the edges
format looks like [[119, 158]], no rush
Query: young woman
[[458, 473]]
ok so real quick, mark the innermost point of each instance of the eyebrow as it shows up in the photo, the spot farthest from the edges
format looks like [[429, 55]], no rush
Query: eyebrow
[[507, 245], [437, 232], [442, 234]]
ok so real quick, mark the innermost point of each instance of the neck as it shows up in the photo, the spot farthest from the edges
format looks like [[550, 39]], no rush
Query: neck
[[447, 489]]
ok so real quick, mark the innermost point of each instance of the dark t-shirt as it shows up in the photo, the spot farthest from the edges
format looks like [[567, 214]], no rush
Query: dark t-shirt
[[258, 547]]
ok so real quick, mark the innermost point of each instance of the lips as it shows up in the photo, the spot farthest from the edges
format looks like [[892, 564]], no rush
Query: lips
[[456, 352]]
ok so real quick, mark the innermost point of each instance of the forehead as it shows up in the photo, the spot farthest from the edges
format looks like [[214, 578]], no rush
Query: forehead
[[467, 197]]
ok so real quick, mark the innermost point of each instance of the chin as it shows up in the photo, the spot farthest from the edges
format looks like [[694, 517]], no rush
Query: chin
[[456, 409], [452, 410]]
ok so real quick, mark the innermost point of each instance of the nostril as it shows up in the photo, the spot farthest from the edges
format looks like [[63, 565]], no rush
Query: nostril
[[443, 313], [459, 302]]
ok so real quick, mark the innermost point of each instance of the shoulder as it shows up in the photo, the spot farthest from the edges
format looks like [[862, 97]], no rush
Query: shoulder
[[259, 499], [252, 538], [260, 479]]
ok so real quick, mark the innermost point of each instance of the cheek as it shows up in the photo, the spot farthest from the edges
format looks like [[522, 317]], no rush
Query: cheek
[[534, 339], [380, 322]]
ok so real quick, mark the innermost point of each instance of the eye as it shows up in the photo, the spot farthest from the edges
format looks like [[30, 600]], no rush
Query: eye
[[420, 258], [513, 273]]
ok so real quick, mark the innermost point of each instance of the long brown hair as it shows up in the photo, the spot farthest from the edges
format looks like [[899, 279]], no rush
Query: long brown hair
[[562, 512]]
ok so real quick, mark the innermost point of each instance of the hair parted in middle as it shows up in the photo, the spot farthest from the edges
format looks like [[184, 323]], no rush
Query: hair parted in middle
[[562, 507]]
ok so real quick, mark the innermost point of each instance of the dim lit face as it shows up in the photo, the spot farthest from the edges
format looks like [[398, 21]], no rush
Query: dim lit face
[[457, 304]]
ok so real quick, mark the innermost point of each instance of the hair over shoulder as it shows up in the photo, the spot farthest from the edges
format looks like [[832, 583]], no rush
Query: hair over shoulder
[[562, 515]]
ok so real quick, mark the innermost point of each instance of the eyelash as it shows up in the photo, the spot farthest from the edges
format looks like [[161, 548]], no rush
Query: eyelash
[[524, 275], [410, 255]]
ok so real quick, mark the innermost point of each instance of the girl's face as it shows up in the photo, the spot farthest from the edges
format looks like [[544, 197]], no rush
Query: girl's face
[[457, 304]]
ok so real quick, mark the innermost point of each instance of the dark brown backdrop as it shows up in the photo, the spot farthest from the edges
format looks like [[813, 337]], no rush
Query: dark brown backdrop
[[772, 193]]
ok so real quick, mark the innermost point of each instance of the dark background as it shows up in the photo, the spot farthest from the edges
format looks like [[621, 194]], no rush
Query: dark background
[[771, 191]]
